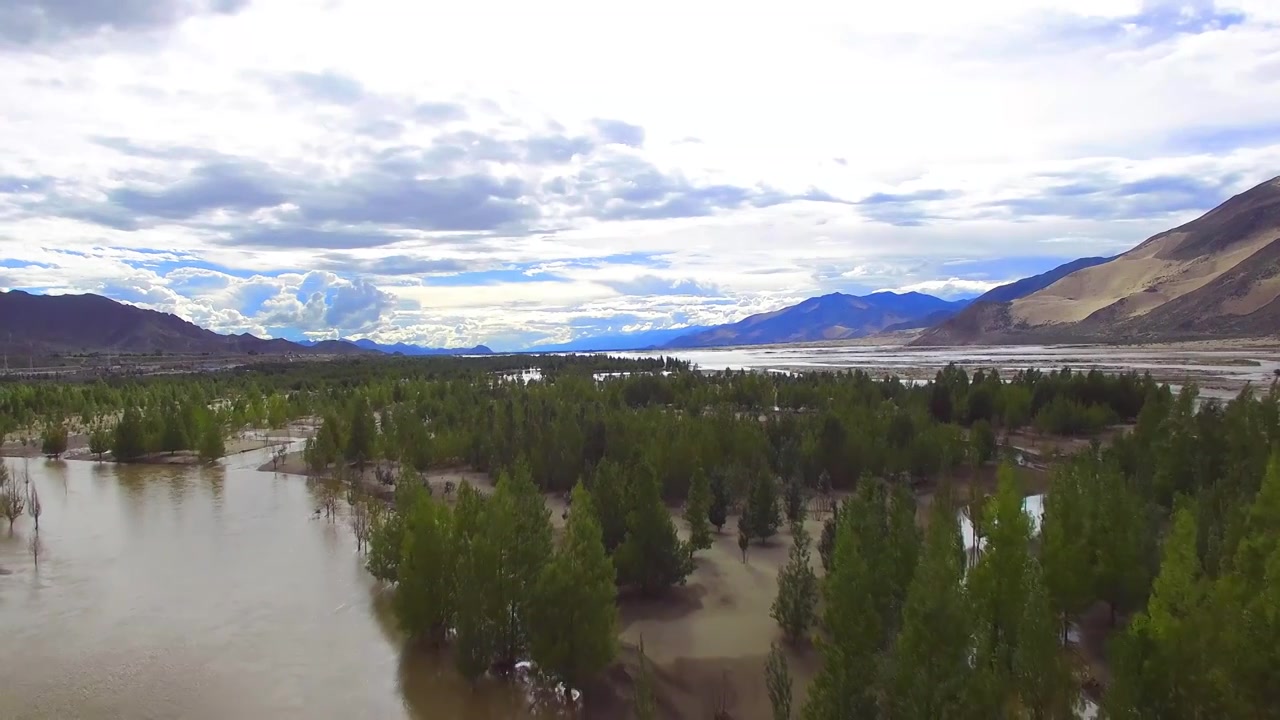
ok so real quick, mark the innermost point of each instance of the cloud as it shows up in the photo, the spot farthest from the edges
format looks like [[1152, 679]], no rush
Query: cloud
[[29, 22], [950, 288], [294, 184]]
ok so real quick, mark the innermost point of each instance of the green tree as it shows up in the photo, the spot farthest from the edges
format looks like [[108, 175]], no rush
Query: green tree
[[212, 445], [646, 705], [363, 435], [174, 436], [697, 511], [574, 616], [53, 441], [778, 681], [130, 436], [474, 583], [929, 674], [796, 604], [793, 497], [521, 527], [764, 512], [1065, 545], [719, 511], [1162, 669], [982, 441], [425, 573], [850, 650], [1046, 688], [609, 494], [99, 441], [652, 558]]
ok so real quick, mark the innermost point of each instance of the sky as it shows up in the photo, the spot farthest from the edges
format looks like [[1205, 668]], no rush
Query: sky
[[518, 174]]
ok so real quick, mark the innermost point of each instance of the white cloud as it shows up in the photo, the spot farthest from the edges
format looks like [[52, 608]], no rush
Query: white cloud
[[460, 173]]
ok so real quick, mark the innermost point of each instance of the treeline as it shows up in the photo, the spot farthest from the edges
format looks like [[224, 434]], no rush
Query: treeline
[[1172, 530]]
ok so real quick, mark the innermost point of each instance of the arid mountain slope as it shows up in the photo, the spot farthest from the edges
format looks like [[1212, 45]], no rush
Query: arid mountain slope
[[1216, 276]]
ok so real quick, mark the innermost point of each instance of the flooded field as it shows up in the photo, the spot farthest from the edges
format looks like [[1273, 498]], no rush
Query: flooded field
[[203, 593]]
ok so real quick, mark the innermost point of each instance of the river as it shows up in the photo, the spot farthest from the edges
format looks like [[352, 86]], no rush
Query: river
[[167, 592]]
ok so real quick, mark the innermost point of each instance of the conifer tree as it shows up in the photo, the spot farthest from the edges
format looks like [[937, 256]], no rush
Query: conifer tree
[[609, 495], [719, 512], [425, 573], [475, 583], [652, 558], [778, 681], [764, 511], [520, 525], [1065, 545], [929, 674], [843, 688], [574, 616], [698, 511], [796, 604]]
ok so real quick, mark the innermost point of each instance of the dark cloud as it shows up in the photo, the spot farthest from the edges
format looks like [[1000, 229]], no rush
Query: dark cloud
[[240, 185], [393, 265], [620, 133], [308, 237], [389, 195], [325, 87], [32, 22], [1097, 197], [902, 209]]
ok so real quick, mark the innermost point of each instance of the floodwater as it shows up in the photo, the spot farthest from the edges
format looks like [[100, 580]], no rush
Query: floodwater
[[1221, 373], [170, 592]]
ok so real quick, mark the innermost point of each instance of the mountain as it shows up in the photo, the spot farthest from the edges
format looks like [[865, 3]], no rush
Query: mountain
[[1217, 276], [1024, 287], [830, 317], [406, 349], [620, 341], [44, 324]]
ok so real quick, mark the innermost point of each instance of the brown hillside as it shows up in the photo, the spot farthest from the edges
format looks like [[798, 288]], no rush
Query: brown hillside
[[1215, 276]]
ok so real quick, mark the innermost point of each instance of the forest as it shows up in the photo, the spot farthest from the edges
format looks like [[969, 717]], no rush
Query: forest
[[1171, 526]]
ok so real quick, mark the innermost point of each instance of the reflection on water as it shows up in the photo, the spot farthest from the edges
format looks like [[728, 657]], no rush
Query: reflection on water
[[166, 592]]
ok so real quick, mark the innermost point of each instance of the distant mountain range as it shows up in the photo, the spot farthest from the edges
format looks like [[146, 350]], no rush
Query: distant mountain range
[[1217, 276], [830, 317], [641, 340], [404, 348]]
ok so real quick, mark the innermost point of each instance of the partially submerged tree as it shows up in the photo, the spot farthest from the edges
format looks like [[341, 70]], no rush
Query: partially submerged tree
[[53, 441], [13, 499], [777, 679]]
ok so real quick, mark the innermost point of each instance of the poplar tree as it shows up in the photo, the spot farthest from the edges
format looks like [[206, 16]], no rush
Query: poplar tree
[[573, 633], [778, 681], [1065, 545], [475, 582], [520, 525], [697, 511], [795, 606], [764, 511], [425, 573], [929, 674]]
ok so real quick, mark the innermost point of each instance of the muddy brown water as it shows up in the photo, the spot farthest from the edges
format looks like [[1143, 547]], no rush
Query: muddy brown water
[[171, 592]]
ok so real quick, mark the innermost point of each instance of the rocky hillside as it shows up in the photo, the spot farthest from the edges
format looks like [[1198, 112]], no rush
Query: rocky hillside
[[1216, 276]]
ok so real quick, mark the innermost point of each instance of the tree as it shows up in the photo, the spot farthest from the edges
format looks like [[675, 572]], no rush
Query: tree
[[827, 542], [12, 498], [425, 573], [849, 651], [363, 435], [652, 558], [53, 441], [174, 435], [778, 680], [474, 584], [744, 536], [520, 525], [719, 511], [646, 706], [928, 675], [212, 445], [697, 511], [130, 436], [763, 511], [793, 497], [1065, 545], [99, 441], [982, 440], [609, 495], [574, 615], [796, 604]]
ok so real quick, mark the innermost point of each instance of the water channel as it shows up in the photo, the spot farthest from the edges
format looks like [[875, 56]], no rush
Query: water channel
[[172, 592]]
